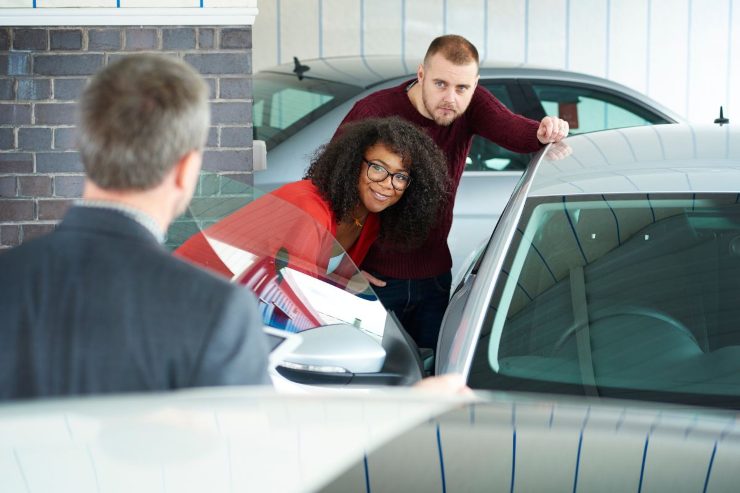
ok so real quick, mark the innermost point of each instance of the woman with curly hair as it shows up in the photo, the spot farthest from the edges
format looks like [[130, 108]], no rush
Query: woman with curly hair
[[380, 178]]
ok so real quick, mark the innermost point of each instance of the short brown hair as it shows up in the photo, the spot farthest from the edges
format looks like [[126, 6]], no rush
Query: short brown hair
[[453, 48], [138, 117]]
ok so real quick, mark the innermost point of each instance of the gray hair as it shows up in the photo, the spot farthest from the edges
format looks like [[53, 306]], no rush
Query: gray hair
[[138, 117]]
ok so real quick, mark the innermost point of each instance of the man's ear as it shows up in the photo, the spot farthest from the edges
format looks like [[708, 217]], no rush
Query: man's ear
[[420, 73], [187, 170]]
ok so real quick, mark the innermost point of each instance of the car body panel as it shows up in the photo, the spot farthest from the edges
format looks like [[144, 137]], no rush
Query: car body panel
[[553, 445], [227, 439], [658, 159], [218, 439]]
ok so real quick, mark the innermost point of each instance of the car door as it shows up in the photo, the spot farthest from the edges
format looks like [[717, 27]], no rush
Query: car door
[[304, 282]]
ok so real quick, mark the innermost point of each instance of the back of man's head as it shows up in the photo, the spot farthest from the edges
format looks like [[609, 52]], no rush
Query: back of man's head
[[138, 117], [453, 48]]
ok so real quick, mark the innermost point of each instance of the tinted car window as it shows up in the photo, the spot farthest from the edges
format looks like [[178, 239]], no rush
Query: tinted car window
[[588, 110], [623, 296], [584, 108], [485, 155], [300, 274], [283, 104]]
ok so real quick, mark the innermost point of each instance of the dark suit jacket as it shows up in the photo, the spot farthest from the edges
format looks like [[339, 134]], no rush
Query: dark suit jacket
[[100, 306]]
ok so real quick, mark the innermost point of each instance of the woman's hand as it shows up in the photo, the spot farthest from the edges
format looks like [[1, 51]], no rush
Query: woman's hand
[[373, 280], [451, 384]]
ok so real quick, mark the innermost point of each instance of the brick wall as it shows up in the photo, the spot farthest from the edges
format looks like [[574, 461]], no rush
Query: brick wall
[[43, 71]]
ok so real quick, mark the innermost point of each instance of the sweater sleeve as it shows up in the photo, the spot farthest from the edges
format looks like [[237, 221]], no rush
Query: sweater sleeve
[[360, 111], [489, 118]]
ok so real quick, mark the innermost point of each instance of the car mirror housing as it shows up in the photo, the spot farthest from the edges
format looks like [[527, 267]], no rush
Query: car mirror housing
[[337, 348]]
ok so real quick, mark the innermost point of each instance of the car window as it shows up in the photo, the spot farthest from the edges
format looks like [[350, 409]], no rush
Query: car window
[[584, 108], [621, 296], [485, 155], [300, 274], [283, 104], [589, 110]]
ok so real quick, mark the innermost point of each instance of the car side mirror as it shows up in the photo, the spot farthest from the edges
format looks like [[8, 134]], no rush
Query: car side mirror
[[341, 354], [332, 354]]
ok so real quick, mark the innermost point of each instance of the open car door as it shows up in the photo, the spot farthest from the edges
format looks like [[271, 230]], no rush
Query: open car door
[[304, 282]]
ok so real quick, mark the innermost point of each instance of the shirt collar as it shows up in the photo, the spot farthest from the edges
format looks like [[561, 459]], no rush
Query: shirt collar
[[137, 215]]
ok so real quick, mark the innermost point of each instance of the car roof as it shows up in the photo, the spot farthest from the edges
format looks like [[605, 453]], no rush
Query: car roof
[[669, 158], [370, 71]]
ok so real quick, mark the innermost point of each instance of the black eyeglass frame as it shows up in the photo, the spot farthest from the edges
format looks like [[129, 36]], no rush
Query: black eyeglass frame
[[387, 174]]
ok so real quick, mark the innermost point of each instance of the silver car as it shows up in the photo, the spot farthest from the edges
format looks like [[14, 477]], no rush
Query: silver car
[[298, 106], [614, 271]]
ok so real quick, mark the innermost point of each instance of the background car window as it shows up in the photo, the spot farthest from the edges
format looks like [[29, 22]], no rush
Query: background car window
[[584, 108], [283, 104], [589, 110], [485, 155]]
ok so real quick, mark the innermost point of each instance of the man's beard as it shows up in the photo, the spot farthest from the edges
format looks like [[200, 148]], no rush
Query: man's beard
[[443, 121]]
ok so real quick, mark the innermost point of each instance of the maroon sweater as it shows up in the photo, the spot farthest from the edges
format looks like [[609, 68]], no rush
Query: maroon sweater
[[486, 116]]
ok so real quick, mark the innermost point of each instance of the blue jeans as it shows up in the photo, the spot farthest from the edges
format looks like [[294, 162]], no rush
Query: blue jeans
[[419, 304]]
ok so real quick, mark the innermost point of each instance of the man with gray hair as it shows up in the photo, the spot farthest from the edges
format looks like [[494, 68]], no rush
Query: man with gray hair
[[99, 305]]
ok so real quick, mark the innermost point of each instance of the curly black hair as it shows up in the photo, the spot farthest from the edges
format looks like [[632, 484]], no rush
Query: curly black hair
[[335, 170]]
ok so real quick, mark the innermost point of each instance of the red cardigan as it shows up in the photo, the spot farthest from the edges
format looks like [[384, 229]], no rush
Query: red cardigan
[[294, 218]]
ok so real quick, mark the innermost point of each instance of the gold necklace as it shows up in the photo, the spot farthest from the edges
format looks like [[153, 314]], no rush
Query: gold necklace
[[357, 221]]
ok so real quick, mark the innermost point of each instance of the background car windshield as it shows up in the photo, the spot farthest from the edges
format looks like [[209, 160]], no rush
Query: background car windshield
[[283, 104], [619, 295]]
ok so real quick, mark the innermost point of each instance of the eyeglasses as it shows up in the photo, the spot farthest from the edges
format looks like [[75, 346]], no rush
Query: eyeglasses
[[377, 173]]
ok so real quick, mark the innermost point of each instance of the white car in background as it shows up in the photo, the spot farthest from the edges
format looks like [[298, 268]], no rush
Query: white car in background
[[298, 106]]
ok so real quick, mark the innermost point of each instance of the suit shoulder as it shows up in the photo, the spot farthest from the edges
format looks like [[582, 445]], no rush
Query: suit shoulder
[[21, 255]]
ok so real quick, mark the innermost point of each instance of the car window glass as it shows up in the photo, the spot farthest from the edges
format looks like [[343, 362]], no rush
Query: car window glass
[[588, 110], [624, 295], [283, 104], [485, 155], [300, 274]]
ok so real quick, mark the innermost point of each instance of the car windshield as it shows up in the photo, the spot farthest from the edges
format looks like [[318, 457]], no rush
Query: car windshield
[[283, 104], [619, 295], [301, 276]]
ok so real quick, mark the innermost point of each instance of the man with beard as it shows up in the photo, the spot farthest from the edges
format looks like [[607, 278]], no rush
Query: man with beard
[[446, 101]]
